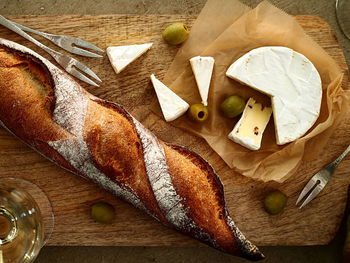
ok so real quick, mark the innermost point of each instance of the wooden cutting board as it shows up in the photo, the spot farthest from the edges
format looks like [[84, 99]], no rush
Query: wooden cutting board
[[72, 196]]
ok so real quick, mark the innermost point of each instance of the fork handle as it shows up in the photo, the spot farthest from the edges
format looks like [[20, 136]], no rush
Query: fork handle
[[336, 162], [10, 25], [28, 29]]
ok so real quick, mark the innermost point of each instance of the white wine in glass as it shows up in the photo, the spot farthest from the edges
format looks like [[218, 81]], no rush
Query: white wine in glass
[[342, 8], [26, 220]]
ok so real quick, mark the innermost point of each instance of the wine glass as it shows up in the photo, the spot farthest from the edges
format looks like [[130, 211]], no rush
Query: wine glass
[[342, 9], [26, 220]]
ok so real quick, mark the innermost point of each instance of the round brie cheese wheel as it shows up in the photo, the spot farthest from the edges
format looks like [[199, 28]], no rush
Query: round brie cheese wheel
[[292, 82]]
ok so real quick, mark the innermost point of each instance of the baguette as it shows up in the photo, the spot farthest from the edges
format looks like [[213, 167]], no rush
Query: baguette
[[44, 107]]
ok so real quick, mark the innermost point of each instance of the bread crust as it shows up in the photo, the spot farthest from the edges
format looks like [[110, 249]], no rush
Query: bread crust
[[99, 140]]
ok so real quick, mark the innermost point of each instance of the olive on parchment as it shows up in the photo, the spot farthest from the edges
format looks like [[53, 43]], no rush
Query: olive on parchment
[[198, 112], [232, 106]]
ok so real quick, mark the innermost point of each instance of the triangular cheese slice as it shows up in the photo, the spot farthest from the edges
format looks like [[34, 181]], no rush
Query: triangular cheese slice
[[122, 56], [171, 104], [202, 68]]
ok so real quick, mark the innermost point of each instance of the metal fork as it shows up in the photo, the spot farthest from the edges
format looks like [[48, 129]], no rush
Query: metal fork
[[319, 180], [67, 43], [68, 63]]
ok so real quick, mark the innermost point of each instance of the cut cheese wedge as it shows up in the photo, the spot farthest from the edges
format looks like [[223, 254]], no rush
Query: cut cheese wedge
[[202, 68], [249, 129], [121, 56], [171, 104], [291, 80]]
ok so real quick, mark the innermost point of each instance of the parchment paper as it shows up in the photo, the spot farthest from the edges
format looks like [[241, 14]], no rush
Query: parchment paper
[[264, 25], [215, 17]]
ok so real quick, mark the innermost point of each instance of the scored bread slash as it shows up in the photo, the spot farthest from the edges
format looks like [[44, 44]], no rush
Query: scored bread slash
[[171, 104], [121, 56], [202, 68], [249, 129], [107, 145]]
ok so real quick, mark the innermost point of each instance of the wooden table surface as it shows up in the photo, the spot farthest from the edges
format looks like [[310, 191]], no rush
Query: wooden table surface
[[72, 196]]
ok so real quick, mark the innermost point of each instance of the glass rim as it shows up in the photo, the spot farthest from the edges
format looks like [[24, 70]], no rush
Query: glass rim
[[347, 35]]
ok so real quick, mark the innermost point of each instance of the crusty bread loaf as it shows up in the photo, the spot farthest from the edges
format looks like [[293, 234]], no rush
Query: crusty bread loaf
[[47, 109]]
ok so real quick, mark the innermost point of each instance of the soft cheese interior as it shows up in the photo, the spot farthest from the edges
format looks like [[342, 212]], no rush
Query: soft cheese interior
[[249, 129], [291, 80]]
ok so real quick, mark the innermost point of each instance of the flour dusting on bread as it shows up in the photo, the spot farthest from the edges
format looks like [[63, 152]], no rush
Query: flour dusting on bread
[[164, 168]]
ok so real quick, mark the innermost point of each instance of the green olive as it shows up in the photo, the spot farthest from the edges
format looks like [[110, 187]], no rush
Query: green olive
[[232, 106], [274, 202], [198, 112], [176, 33], [102, 212]]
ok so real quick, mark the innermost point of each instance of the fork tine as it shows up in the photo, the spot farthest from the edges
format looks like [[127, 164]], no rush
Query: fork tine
[[82, 77], [313, 194], [85, 44], [86, 70], [83, 52], [307, 188]]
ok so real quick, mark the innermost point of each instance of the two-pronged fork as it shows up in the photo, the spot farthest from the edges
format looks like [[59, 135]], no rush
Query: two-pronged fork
[[69, 44], [319, 180], [68, 63]]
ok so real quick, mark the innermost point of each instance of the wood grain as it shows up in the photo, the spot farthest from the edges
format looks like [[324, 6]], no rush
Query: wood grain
[[72, 196]]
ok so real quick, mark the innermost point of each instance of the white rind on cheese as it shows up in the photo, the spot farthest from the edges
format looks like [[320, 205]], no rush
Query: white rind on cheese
[[121, 56], [291, 80], [171, 104], [202, 68], [249, 129]]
